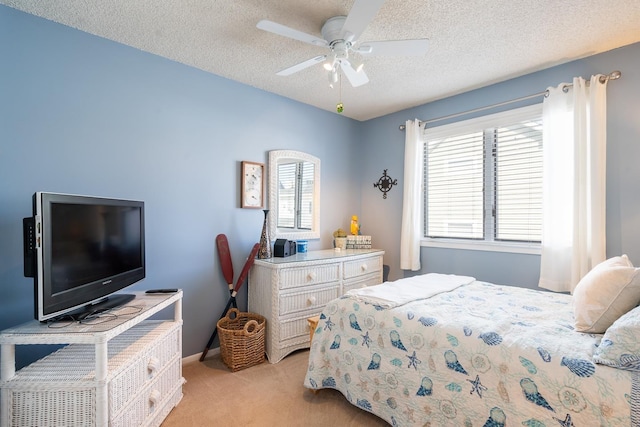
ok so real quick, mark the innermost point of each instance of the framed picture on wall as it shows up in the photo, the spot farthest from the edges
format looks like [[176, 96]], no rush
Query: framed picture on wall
[[252, 185]]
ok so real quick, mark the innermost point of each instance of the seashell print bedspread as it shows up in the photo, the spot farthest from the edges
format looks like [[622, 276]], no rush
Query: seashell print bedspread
[[480, 355]]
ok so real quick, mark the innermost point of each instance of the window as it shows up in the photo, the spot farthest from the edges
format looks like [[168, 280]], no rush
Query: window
[[295, 195], [483, 178]]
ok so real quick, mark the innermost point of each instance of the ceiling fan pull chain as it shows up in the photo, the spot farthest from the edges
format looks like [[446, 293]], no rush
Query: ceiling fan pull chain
[[340, 107]]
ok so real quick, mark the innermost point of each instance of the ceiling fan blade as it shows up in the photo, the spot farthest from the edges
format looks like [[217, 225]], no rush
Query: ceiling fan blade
[[356, 78], [361, 13], [395, 47], [301, 66], [283, 30]]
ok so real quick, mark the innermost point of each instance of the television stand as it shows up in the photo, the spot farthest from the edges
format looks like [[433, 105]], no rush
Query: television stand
[[122, 370]]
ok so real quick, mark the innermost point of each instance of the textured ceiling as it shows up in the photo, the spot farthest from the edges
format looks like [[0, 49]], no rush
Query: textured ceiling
[[472, 43]]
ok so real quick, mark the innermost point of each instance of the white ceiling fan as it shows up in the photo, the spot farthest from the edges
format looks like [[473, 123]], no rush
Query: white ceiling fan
[[340, 35]]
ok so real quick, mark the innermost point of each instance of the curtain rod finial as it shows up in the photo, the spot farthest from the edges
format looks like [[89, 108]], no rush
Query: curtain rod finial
[[402, 127], [615, 75]]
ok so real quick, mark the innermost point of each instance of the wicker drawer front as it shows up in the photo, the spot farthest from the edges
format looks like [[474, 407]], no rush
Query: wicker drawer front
[[153, 399], [174, 398], [304, 276], [36, 407], [163, 340], [361, 282], [297, 327], [362, 266], [308, 300]]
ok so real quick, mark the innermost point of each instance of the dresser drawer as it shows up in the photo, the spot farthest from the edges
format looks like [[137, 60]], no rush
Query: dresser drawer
[[315, 298], [361, 282], [163, 339], [310, 275], [152, 399], [296, 328], [362, 266]]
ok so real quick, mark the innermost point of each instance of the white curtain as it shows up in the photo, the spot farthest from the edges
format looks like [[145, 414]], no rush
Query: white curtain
[[573, 223], [412, 196]]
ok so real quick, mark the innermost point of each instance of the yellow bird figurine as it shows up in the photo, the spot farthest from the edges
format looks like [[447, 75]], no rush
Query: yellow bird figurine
[[355, 227]]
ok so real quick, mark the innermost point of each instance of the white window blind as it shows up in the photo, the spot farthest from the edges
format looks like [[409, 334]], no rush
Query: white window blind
[[455, 186], [518, 164], [483, 178], [286, 195], [295, 178], [306, 196]]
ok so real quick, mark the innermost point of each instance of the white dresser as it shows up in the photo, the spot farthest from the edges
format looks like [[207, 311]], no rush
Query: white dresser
[[287, 291], [119, 370]]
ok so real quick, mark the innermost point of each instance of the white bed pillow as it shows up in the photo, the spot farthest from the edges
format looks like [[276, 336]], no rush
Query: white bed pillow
[[620, 346], [608, 291]]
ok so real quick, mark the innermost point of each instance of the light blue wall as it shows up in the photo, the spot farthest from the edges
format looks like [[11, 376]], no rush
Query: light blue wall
[[384, 150], [80, 114]]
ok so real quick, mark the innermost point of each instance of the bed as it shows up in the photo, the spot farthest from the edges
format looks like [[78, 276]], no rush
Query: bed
[[470, 353]]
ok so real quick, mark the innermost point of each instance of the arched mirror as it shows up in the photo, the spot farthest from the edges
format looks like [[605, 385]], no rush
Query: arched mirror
[[294, 195]]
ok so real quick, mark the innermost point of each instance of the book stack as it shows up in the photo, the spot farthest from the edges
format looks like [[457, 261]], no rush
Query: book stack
[[358, 242]]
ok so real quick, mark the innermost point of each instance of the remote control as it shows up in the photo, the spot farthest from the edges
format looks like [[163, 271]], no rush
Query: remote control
[[161, 291]]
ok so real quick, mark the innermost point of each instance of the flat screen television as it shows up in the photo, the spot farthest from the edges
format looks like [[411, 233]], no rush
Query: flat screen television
[[80, 251]]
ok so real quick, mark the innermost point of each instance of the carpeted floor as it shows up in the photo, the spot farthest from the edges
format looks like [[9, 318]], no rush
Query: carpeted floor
[[262, 395]]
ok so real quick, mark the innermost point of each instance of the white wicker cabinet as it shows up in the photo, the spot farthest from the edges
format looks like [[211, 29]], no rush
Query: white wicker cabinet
[[287, 291], [122, 372]]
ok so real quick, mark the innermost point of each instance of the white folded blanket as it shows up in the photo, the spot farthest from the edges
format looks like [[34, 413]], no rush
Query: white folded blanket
[[402, 291]]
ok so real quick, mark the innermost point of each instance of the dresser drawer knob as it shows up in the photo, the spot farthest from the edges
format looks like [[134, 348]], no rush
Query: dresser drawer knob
[[364, 267], [311, 300], [153, 365], [311, 276], [154, 398]]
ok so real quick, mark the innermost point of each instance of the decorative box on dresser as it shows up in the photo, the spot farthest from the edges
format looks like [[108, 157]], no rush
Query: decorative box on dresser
[[120, 369], [287, 291]]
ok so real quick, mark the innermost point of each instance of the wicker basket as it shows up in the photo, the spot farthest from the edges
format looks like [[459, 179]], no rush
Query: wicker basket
[[241, 339]]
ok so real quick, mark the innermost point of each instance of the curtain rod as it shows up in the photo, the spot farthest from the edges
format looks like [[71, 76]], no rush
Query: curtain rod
[[614, 75]]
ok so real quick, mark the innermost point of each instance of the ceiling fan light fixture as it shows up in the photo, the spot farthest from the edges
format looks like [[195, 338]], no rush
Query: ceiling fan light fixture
[[333, 77], [340, 50], [330, 63]]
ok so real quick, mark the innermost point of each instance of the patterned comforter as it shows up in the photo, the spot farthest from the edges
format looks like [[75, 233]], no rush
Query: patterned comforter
[[479, 355]]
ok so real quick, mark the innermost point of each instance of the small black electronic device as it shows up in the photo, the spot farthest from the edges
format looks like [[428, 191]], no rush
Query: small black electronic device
[[284, 248], [162, 291]]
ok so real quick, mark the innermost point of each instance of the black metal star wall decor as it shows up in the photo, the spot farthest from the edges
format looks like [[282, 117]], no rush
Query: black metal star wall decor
[[385, 183]]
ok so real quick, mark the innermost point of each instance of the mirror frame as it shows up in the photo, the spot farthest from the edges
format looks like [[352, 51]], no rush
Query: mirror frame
[[275, 157]]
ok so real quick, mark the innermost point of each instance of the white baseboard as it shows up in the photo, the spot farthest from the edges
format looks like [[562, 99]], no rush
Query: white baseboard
[[196, 357]]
